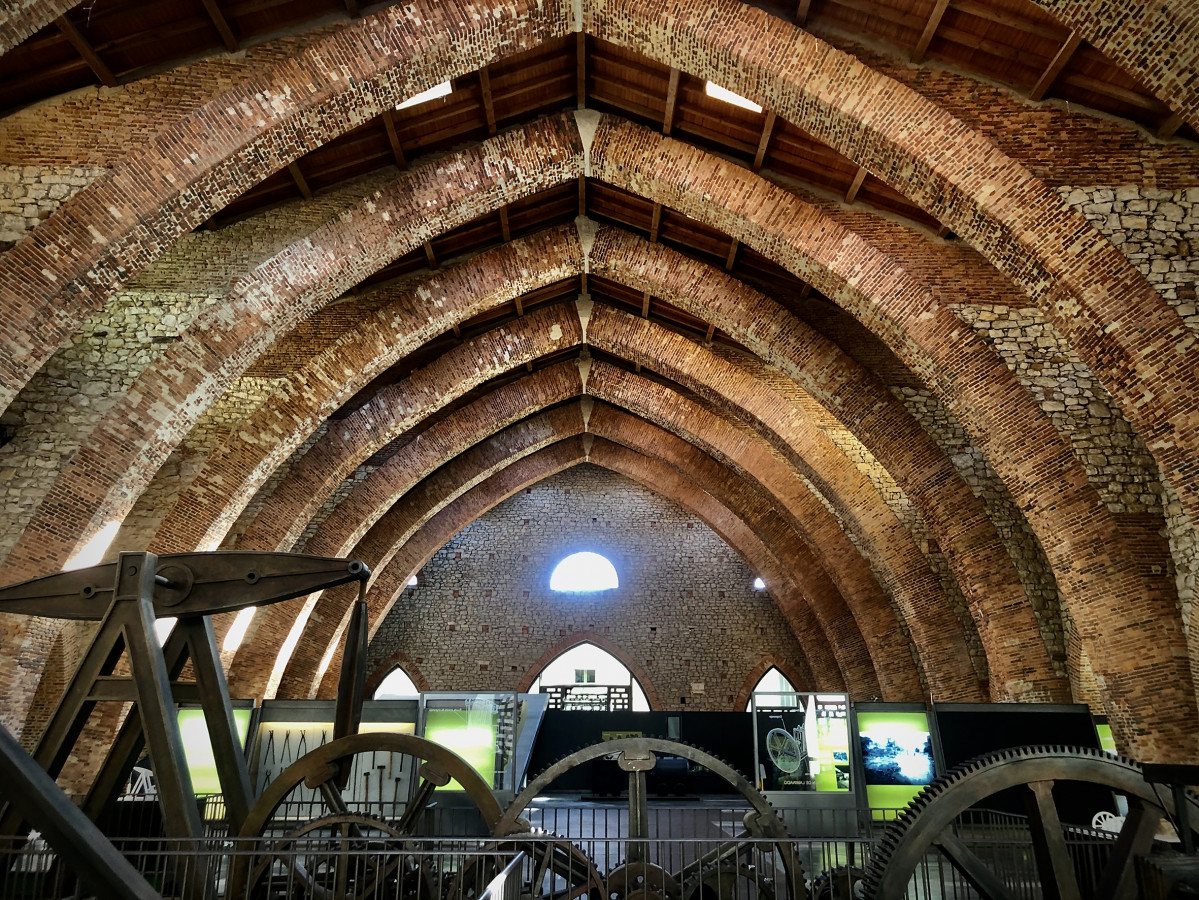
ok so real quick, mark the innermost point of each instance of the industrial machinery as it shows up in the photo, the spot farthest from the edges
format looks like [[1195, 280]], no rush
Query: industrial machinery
[[311, 835]]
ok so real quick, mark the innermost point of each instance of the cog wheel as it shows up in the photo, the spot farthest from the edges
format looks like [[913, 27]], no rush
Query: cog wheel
[[642, 881], [932, 821], [339, 834], [559, 869], [840, 883], [637, 756], [731, 882]]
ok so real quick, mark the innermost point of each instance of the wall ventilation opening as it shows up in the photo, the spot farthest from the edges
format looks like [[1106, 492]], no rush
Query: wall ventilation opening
[[584, 572]]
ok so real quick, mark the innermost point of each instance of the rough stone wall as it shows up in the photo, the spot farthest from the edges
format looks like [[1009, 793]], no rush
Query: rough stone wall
[[30, 194], [685, 611]]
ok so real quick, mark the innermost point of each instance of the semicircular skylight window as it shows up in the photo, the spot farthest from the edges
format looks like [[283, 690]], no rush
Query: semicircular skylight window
[[584, 572]]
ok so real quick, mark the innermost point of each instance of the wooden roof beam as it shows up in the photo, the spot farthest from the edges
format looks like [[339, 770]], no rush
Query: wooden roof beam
[[581, 69], [488, 105], [801, 12], [393, 138], [353, 8], [655, 223], [222, 26], [732, 257], [930, 29], [86, 50], [429, 255], [805, 291], [505, 228], [708, 336], [645, 305], [672, 99], [1170, 127], [852, 194], [298, 177], [764, 140], [520, 306], [582, 196], [1055, 66]]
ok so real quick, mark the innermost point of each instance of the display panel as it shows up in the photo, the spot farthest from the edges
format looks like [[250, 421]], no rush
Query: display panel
[[197, 748], [802, 741], [897, 756], [471, 733]]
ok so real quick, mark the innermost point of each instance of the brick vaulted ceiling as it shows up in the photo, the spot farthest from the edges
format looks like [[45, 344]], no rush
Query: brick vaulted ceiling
[[917, 339]]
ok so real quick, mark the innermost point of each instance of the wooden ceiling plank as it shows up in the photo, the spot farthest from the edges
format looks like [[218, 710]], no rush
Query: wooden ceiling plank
[[505, 228], [298, 177], [582, 196], [393, 138], [930, 29], [672, 98], [655, 223], [1055, 67], [1170, 127], [222, 26], [802, 8], [353, 8], [488, 104], [581, 69], [85, 49], [852, 194], [732, 257], [764, 141], [429, 255]]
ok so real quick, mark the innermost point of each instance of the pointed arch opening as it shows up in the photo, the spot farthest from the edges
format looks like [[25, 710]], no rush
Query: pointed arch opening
[[588, 677], [395, 685], [773, 681]]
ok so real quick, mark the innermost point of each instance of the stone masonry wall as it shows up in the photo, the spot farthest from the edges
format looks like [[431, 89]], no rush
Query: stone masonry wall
[[685, 611]]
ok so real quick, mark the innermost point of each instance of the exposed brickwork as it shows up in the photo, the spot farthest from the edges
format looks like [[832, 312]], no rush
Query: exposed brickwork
[[946, 662], [402, 321], [711, 627], [957, 519], [1026, 450], [364, 525]]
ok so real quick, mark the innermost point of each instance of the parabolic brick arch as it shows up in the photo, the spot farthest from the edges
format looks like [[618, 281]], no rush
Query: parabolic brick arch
[[911, 332]]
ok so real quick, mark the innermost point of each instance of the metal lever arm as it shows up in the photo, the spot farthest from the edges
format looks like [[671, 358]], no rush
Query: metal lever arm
[[186, 584]]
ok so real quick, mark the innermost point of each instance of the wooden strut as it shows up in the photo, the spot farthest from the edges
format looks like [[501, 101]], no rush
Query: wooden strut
[[126, 597]]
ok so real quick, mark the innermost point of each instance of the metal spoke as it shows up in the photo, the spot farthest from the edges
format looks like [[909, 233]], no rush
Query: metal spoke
[[973, 869]]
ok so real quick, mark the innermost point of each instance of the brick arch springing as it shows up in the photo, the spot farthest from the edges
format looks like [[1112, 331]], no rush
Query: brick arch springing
[[339, 534], [1036, 465], [860, 402], [947, 664], [398, 660], [1022, 227], [757, 673], [474, 503], [608, 646], [406, 516], [350, 529]]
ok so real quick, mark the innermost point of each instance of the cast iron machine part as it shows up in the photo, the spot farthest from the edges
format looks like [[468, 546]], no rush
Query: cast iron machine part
[[125, 597], [638, 875], [930, 822], [325, 771]]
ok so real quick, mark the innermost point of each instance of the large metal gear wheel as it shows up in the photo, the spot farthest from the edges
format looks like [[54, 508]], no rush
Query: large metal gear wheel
[[637, 756], [324, 770], [931, 822]]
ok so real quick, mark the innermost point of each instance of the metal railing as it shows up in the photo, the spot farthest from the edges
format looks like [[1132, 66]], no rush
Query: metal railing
[[701, 853]]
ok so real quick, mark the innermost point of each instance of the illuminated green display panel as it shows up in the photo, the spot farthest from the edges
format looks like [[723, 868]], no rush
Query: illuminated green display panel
[[471, 733], [197, 748], [897, 756], [1106, 741]]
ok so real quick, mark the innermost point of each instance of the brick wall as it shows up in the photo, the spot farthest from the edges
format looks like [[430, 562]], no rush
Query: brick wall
[[686, 611]]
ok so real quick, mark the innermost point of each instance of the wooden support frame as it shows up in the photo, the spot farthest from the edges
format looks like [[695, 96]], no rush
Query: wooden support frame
[[732, 255], [1170, 127], [298, 177], [655, 223], [430, 257], [222, 25], [84, 48], [1059, 61], [764, 140], [393, 138], [488, 103], [672, 99], [581, 69], [930, 29], [859, 177], [505, 228]]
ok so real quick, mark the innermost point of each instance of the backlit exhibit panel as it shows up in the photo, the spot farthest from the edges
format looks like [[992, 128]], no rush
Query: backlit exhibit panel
[[897, 756]]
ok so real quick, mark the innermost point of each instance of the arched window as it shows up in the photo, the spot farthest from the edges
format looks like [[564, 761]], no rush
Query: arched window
[[585, 571], [397, 684], [587, 677], [774, 682]]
